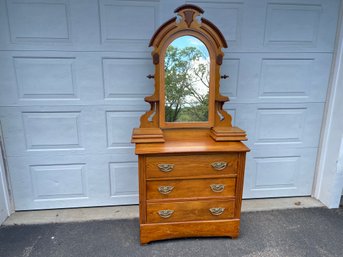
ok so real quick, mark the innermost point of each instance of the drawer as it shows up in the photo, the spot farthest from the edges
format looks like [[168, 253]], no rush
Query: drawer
[[190, 210], [186, 188], [191, 165]]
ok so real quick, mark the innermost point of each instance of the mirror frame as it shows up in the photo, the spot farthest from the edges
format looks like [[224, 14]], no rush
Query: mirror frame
[[197, 124], [188, 21]]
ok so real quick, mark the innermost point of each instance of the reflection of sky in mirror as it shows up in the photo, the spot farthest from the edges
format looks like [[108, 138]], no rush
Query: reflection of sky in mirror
[[190, 41], [187, 41]]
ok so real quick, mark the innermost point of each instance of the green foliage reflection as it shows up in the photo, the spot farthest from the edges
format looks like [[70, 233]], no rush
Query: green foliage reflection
[[186, 83]]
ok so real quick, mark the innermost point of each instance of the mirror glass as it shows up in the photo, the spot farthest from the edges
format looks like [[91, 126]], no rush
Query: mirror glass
[[187, 80]]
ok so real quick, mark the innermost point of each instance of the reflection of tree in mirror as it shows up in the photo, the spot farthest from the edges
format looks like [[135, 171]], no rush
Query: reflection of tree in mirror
[[186, 84]]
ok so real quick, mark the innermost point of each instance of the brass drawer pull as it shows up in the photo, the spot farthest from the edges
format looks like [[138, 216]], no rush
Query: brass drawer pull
[[166, 167], [217, 188], [165, 213], [219, 165], [165, 189], [217, 211]]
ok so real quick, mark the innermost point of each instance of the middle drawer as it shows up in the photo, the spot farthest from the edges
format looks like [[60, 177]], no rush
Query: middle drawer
[[187, 188], [168, 166]]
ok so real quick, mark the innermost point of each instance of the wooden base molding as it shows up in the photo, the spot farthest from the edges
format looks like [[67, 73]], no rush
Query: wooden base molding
[[161, 231], [228, 134], [147, 135]]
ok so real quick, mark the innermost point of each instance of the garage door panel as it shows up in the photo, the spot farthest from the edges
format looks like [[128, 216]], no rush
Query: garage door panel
[[123, 179], [58, 181], [44, 182], [74, 78], [56, 77], [274, 26], [126, 78], [315, 31], [116, 135], [279, 125], [78, 25], [295, 24], [91, 25], [278, 78], [8, 82], [285, 172], [293, 125], [71, 181], [74, 130], [43, 130], [51, 22], [70, 78], [113, 14], [41, 77], [299, 25], [52, 130]]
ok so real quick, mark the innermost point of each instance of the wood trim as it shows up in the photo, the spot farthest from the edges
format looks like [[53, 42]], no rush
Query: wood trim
[[192, 177], [162, 231], [228, 134], [239, 184], [147, 135], [182, 199], [142, 189]]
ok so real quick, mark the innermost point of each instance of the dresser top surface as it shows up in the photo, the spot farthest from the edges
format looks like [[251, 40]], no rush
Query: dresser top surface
[[194, 145]]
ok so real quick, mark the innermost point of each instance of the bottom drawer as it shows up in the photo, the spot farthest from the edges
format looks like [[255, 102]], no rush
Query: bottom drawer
[[190, 210]]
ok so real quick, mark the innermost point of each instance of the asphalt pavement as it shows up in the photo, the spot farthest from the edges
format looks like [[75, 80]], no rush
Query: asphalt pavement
[[287, 233]]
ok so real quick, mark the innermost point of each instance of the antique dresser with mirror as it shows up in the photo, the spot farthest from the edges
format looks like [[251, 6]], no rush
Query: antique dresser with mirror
[[191, 159]]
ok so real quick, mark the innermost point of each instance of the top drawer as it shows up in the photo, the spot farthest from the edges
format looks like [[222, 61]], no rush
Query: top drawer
[[191, 165]]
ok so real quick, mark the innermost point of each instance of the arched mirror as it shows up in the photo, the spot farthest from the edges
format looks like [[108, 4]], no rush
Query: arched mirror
[[187, 54], [186, 80], [187, 96]]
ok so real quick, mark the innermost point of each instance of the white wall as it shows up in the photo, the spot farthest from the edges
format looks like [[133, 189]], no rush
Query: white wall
[[4, 199], [329, 182]]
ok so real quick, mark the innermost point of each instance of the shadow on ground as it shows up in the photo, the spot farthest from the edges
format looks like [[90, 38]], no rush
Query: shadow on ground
[[301, 232]]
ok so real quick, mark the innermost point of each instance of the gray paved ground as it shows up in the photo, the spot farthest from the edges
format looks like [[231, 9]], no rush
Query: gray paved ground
[[302, 232]]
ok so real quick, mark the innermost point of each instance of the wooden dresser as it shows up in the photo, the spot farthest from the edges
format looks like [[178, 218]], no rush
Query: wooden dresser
[[190, 188], [190, 172]]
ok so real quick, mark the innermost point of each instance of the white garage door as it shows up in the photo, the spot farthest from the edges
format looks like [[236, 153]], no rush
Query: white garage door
[[72, 83]]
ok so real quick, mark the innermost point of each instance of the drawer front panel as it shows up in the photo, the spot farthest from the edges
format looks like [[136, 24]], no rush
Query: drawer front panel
[[191, 165], [190, 210], [164, 189]]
